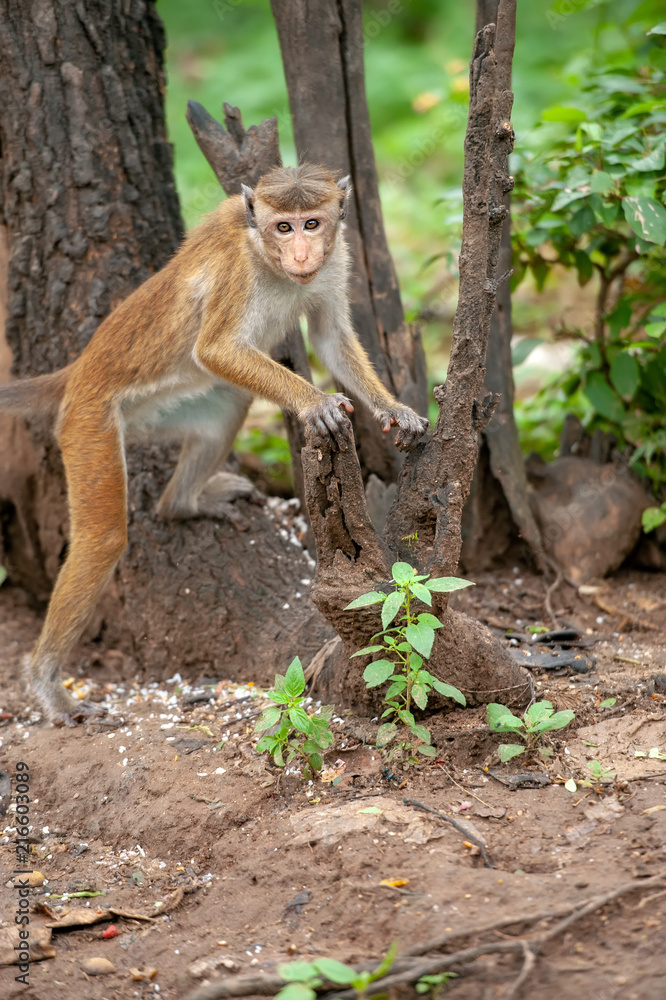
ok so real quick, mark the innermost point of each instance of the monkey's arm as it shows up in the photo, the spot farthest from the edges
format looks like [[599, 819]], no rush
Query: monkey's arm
[[227, 357], [338, 348]]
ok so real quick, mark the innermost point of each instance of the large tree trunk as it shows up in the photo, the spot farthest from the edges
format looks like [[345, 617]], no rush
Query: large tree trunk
[[424, 523], [88, 199]]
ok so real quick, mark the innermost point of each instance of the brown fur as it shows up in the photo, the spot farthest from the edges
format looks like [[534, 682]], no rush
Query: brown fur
[[183, 355]]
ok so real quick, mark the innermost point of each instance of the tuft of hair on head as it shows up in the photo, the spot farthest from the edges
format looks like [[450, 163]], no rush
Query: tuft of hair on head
[[297, 189]]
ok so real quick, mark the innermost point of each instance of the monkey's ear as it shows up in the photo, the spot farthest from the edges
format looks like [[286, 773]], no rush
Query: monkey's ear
[[345, 185], [248, 201]]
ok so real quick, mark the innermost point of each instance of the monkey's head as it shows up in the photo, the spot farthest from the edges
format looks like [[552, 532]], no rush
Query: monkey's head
[[295, 214]]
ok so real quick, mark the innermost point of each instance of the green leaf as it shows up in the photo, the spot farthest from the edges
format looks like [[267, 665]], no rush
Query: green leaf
[[299, 972], [377, 672], [279, 697], [316, 761], [656, 329], [421, 733], [447, 584], [294, 679], [296, 991], [406, 717], [403, 572], [266, 743], [570, 785], [421, 637], [423, 594], [625, 374], [386, 733], [557, 721], [269, 717], [398, 685], [3, 575], [506, 751], [647, 218], [560, 113], [385, 963], [619, 318], [538, 711], [300, 720], [601, 182], [607, 703], [335, 971], [659, 29], [427, 750], [652, 517], [419, 696], [584, 266], [501, 719], [429, 619], [603, 398], [366, 650], [651, 161], [374, 597], [391, 607], [449, 691], [415, 662], [523, 349]]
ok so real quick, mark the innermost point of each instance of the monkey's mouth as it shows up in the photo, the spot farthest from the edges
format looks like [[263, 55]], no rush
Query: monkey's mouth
[[303, 279]]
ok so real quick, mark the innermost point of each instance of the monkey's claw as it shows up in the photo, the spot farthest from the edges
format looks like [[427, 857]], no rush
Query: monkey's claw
[[80, 712], [328, 420], [410, 425]]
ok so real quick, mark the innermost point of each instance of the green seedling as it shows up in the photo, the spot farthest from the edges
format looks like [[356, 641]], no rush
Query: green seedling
[[654, 754], [296, 734], [539, 718], [303, 978], [405, 645], [433, 984], [599, 776]]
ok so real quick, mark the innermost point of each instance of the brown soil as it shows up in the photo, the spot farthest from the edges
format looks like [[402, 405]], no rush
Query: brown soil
[[173, 816]]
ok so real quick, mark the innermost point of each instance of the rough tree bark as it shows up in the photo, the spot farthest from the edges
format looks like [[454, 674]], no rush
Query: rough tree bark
[[424, 523], [89, 203], [498, 508], [322, 52]]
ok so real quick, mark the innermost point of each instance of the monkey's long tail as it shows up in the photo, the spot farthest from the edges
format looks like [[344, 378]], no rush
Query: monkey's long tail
[[30, 397]]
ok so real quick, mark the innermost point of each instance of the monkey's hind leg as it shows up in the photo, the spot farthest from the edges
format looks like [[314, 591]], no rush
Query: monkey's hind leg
[[197, 488], [96, 481]]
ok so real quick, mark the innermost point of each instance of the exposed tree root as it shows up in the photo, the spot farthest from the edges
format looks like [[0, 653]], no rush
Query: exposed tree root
[[416, 962]]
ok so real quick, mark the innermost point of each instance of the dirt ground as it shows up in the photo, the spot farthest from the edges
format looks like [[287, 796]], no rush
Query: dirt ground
[[216, 864]]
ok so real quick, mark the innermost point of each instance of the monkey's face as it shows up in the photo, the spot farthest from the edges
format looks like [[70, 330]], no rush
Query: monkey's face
[[298, 243]]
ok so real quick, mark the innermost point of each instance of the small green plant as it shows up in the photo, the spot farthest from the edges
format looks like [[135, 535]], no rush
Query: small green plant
[[405, 647], [653, 517], [599, 776], [539, 718], [303, 978], [433, 984], [297, 735]]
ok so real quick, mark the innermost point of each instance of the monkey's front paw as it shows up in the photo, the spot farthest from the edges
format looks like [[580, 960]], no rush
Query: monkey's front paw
[[410, 425], [328, 420]]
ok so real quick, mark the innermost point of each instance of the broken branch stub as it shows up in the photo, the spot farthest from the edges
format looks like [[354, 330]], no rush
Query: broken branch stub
[[237, 156]]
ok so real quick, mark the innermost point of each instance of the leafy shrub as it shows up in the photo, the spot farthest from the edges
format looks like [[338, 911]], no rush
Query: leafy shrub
[[593, 203]]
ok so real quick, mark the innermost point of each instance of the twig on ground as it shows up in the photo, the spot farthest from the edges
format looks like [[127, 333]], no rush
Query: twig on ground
[[550, 590], [529, 961], [466, 791], [626, 617], [406, 971], [458, 826]]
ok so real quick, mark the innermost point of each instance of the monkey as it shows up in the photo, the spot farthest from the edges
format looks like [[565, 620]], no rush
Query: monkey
[[182, 358]]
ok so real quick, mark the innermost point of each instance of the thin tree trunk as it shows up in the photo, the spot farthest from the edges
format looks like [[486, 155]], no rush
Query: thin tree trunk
[[322, 51], [500, 480], [424, 524]]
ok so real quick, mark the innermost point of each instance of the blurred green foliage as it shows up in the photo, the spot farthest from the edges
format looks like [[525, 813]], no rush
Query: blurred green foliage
[[591, 200]]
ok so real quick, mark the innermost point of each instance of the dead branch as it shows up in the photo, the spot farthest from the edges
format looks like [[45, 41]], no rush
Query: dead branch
[[457, 826]]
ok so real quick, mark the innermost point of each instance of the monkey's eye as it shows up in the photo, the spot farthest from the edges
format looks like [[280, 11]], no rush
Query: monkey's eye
[[283, 227], [311, 224]]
